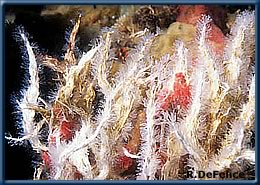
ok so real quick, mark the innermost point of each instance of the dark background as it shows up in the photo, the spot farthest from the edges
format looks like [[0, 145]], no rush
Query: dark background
[[48, 34]]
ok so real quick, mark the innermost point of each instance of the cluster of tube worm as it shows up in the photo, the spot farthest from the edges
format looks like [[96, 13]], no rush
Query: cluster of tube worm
[[120, 113]]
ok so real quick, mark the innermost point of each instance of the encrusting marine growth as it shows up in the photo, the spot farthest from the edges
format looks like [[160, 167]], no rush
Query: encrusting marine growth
[[122, 113]]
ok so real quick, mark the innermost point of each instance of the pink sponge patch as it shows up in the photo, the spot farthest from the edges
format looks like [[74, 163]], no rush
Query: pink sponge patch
[[192, 14], [180, 96]]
